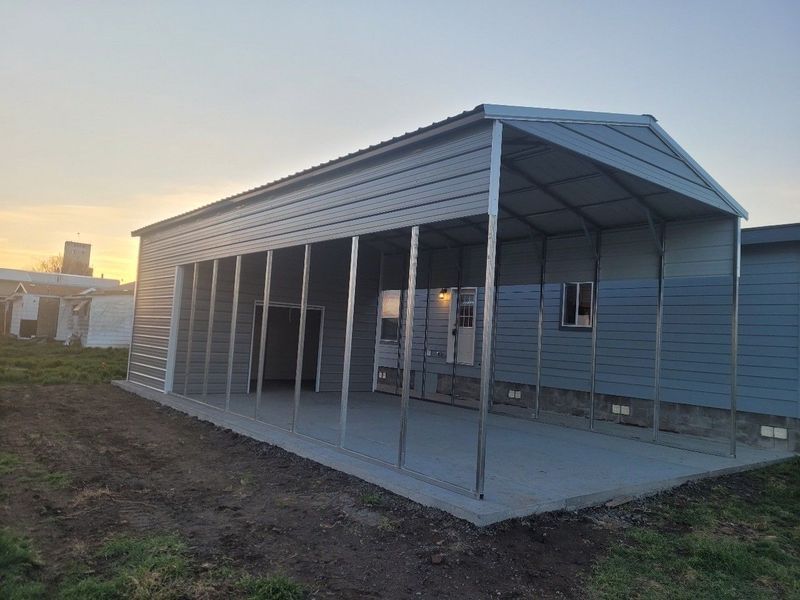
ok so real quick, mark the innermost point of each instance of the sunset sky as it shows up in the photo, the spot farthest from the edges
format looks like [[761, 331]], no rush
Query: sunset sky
[[114, 115]]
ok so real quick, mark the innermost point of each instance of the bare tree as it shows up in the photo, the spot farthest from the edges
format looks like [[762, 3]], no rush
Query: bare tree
[[51, 264]]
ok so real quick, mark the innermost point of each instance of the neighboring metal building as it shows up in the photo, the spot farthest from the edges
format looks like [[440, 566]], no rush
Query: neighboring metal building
[[556, 265]]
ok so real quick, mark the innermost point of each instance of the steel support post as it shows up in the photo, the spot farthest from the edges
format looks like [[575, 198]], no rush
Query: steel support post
[[378, 321], [190, 333], [301, 337], [456, 328], [348, 340], [595, 296], [498, 256], [737, 253], [262, 354], [487, 364], [659, 336], [237, 276], [408, 336], [210, 331], [135, 307], [540, 330], [400, 324], [425, 333], [174, 328]]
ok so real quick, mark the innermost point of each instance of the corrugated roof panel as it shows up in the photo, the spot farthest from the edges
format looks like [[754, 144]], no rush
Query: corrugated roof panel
[[644, 135], [612, 152], [608, 136]]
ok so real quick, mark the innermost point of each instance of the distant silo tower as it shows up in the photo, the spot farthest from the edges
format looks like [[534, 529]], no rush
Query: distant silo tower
[[76, 258]]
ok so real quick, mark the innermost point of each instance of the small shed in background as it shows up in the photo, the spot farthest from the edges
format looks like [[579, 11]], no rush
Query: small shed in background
[[98, 318]]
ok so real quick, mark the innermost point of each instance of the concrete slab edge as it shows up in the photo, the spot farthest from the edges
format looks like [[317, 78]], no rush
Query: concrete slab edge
[[483, 513], [414, 489]]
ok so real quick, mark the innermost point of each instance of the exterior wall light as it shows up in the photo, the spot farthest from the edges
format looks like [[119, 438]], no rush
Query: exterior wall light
[[442, 293]]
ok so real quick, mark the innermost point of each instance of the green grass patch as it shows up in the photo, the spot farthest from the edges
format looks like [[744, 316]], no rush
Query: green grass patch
[[8, 463], [371, 499], [47, 362], [161, 568], [153, 567], [12, 464], [726, 544], [276, 587], [19, 567]]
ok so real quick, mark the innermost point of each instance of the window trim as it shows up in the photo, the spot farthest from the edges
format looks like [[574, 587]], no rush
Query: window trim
[[568, 326], [396, 339]]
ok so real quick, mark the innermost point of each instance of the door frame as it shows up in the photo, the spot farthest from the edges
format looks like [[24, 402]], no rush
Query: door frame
[[257, 303], [452, 321]]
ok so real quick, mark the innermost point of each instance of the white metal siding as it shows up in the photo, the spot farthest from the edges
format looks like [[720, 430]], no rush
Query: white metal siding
[[110, 322]]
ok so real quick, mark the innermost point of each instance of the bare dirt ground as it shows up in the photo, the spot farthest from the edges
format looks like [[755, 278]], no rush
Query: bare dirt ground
[[129, 466]]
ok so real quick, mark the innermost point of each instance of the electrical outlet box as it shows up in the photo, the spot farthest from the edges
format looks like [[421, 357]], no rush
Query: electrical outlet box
[[616, 409], [625, 410], [767, 431], [518, 394], [780, 433], [511, 394]]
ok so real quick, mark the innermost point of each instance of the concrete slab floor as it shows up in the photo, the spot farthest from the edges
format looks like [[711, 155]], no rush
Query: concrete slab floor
[[531, 467]]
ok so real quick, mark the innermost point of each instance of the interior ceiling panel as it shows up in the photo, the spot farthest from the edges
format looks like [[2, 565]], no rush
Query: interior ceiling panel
[[609, 148], [563, 191], [617, 214], [557, 222], [592, 191], [554, 166], [530, 201]]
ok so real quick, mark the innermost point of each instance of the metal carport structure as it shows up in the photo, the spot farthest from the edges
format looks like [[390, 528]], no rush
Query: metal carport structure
[[490, 177]]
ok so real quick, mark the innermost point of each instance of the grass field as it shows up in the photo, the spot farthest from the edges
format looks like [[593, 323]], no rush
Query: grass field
[[71, 456], [739, 538], [47, 362]]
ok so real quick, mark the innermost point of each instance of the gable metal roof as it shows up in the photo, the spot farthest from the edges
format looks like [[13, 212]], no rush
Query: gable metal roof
[[633, 144]]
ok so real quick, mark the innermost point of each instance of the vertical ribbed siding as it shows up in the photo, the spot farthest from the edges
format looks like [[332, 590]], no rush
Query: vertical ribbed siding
[[153, 308]]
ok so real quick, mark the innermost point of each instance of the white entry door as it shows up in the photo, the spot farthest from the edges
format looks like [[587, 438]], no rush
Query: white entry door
[[462, 326]]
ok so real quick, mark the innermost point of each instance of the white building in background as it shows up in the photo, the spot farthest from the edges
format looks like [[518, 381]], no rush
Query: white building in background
[[98, 318], [94, 310]]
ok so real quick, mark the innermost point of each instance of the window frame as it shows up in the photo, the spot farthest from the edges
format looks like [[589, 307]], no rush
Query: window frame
[[396, 338], [576, 325]]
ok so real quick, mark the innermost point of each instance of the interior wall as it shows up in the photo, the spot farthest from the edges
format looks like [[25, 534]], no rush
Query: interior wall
[[282, 336]]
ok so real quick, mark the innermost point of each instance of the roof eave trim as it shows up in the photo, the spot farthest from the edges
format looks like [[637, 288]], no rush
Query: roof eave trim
[[523, 113]]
